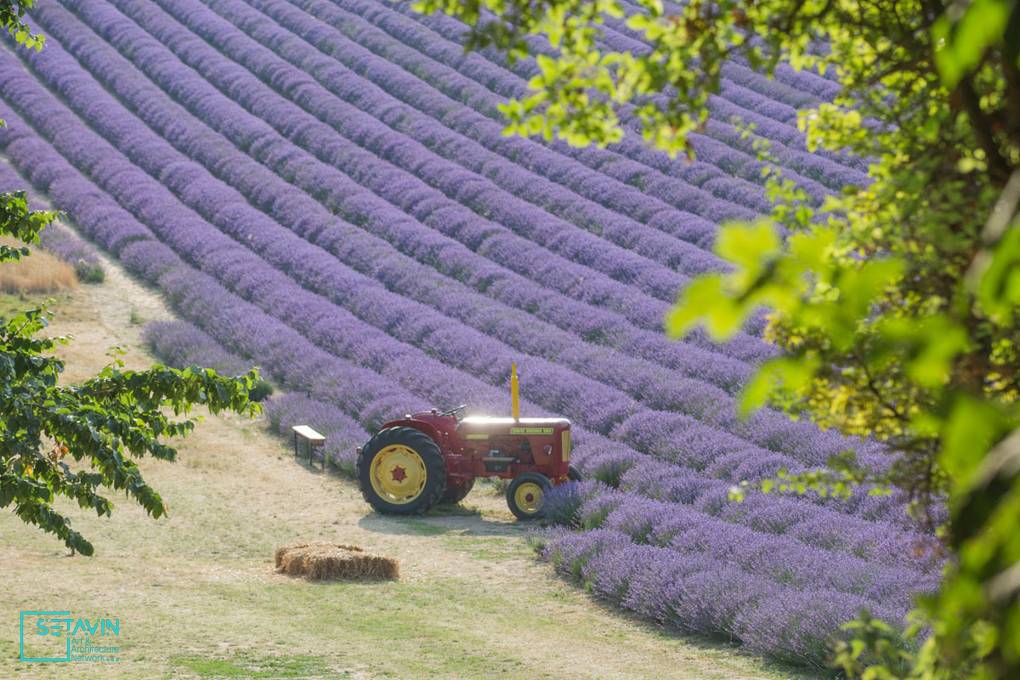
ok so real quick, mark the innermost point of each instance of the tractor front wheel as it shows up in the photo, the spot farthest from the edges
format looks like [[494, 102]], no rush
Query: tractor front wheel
[[526, 495], [401, 471]]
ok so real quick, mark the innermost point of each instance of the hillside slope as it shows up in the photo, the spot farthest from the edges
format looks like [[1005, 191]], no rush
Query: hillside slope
[[323, 188], [197, 597]]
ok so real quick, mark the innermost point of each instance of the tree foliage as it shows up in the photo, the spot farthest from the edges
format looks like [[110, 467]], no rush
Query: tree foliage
[[896, 302], [12, 17], [77, 441]]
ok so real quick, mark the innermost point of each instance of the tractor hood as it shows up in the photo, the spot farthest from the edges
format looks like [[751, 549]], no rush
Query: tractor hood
[[507, 425]]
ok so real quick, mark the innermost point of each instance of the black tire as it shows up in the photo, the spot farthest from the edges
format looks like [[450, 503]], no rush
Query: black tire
[[421, 444], [521, 511], [455, 493], [573, 474]]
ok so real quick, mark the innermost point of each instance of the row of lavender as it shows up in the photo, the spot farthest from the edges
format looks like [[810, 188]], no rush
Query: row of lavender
[[270, 34], [778, 98], [337, 187], [402, 85], [230, 320], [771, 118], [710, 579], [182, 344], [394, 97]]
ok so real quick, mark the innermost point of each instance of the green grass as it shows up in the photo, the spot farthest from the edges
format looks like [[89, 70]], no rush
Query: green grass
[[245, 666], [16, 303], [487, 549]]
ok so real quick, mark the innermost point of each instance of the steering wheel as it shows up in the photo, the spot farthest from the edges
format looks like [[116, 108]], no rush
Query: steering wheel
[[454, 411]]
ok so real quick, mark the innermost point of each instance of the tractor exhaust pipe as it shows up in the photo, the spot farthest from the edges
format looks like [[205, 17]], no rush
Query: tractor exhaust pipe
[[515, 397]]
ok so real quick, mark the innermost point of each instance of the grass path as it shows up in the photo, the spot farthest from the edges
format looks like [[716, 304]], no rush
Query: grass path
[[196, 594]]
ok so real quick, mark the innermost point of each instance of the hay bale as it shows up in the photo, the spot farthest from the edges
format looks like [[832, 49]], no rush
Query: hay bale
[[334, 561]]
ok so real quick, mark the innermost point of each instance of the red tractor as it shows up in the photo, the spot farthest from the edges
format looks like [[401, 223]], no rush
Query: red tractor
[[434, 457]]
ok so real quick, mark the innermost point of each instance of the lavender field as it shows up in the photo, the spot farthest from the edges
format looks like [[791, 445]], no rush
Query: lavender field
[[321, 188]]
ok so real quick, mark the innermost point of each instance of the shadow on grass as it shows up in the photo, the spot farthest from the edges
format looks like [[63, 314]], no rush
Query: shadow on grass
[[367, 583], [439, 521]]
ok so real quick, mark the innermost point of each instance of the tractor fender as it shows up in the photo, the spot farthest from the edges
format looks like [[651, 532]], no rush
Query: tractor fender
[[426, 428], [448, 442]]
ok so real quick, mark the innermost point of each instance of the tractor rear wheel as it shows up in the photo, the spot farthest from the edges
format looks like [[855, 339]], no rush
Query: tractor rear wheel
[[455, 493], [401, 471], [526, 495]]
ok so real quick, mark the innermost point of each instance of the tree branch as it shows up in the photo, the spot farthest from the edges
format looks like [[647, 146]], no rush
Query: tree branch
[[998, 166], [1011, 75]]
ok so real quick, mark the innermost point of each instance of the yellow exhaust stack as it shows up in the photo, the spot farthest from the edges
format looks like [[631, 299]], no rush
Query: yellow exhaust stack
[[515, 397]]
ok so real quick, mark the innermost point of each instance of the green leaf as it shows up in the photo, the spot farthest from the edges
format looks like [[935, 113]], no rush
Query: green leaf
[[972, 427], [704, 302], [789, 374], [999, 286], [748, 245], [961, 42]]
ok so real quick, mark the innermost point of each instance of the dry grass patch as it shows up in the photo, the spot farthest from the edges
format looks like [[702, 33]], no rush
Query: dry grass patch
[[335, 562], [39, 272]]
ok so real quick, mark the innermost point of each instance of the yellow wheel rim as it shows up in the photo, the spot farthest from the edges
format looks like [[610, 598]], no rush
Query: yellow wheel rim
[[528, 497], [398, 474]]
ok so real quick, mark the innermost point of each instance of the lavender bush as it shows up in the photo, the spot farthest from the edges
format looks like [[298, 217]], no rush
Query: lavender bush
[[181, 344]]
